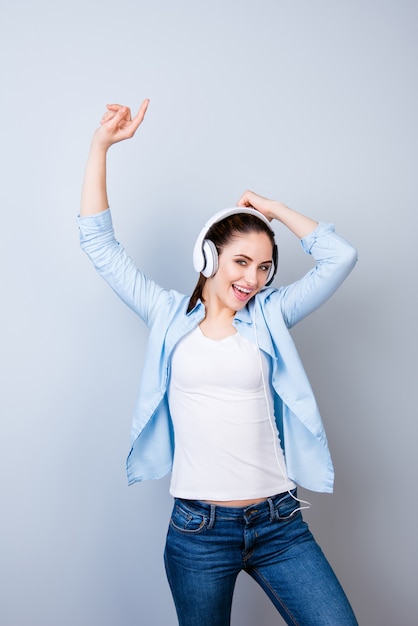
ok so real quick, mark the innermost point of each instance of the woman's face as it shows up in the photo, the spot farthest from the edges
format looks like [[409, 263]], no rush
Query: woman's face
[[244, 265]]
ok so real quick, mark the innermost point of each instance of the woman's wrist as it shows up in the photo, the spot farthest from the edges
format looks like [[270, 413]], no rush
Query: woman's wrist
[[299, 224], [98, 146], [278, 211]]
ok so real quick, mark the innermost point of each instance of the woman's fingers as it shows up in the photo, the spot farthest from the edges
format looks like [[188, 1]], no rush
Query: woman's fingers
[[115, 107], [247, 199], [122, 116], [141, 113], [107, 116], [260, 203], [117, 123]]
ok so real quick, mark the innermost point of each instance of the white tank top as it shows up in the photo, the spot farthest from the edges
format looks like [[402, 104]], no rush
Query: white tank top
[[226, 442]]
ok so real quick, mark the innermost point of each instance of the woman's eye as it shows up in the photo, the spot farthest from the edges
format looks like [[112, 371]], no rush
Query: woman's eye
[[264, 268], [241, 262]]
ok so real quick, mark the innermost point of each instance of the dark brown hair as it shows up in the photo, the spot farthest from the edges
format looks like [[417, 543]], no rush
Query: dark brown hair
[[221, 233]]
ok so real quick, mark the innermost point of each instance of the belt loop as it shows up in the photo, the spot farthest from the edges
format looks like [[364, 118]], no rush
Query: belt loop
[[272, 509], [212, 516]]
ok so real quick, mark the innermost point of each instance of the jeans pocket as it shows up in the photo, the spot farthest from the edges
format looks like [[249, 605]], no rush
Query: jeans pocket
[[288, 508], [186, 520]]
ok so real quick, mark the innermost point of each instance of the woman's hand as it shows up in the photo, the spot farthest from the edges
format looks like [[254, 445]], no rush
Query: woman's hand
[[299, 224], [117, 124], [264, 205]]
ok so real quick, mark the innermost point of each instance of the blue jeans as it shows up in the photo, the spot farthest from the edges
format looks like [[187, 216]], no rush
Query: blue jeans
[[207, 546]]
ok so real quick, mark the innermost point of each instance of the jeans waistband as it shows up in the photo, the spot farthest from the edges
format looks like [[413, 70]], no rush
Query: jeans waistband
[[212, 511]]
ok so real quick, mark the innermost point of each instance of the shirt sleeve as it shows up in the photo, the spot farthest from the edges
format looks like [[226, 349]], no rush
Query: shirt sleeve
[[112, 262], [335, 258]]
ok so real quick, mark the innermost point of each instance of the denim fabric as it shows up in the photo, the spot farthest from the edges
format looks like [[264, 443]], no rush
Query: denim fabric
[[207, 546]]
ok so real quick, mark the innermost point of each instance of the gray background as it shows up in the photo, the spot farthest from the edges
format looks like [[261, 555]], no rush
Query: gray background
[[309, 101]]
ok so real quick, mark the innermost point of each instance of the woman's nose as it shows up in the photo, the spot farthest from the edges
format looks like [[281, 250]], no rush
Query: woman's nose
[[251, 275]]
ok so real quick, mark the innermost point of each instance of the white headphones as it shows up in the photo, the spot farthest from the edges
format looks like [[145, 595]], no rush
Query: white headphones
[[205, 254]]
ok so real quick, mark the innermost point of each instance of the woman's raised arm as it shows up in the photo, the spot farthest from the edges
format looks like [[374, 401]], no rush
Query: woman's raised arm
[[299, 224], [116, 125]]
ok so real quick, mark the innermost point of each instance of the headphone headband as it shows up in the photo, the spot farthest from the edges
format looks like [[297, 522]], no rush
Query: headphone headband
[[205, 256]]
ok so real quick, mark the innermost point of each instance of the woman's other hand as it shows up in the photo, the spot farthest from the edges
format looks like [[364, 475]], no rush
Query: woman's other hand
[[264, 205], [299, 224], [117, 124]]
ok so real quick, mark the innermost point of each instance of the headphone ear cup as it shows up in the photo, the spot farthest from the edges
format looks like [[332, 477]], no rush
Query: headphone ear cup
[[210, 255], [273, 268], [271, 275]]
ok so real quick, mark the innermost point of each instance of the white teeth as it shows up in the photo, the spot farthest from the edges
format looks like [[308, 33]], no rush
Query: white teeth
[[242, 289]]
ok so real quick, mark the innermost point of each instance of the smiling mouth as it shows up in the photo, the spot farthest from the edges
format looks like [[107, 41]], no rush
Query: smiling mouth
[[241, 292]]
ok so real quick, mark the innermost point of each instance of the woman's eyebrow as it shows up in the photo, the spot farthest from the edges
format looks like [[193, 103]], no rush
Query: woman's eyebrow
[[245, 256]]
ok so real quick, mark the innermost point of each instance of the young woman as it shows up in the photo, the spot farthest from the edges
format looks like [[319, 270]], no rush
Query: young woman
[[224, 382]]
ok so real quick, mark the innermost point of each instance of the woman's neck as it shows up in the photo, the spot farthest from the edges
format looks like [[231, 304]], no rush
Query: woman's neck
[[218, 324]]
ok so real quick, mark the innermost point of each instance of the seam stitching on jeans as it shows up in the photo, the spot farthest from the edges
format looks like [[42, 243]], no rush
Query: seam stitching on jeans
[[278, 598]]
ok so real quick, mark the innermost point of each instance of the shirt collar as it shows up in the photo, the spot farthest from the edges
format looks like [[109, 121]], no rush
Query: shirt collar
[[199, 305], [244, 315]]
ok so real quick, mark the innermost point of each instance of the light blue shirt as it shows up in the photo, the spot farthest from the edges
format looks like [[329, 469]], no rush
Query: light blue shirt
[[265, 320]]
